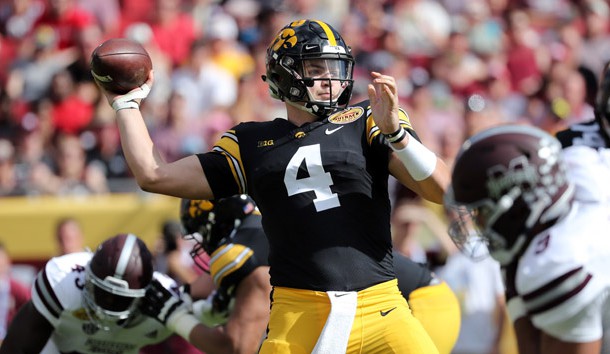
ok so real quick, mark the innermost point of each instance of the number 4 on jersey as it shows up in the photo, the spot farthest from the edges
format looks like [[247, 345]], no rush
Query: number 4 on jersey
[[319, 181]]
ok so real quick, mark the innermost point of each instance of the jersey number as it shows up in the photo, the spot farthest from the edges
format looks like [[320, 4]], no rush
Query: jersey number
[[78, 269], [319, 181]]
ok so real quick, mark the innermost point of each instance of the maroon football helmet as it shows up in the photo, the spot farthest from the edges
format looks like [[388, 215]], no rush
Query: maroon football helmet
[[508, 184], [117, 277]]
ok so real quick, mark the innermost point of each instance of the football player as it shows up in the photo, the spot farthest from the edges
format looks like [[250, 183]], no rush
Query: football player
[[87, 302], [431, 300], [510, 192], [230, 231], [320, 179]]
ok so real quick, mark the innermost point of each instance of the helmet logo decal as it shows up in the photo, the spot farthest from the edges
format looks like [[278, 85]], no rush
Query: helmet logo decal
[[286, 39], [197, 207], [502, 179], [347, 116]]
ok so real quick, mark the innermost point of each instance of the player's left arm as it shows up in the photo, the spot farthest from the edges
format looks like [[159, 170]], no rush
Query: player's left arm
[[431, 188], [411, 163]]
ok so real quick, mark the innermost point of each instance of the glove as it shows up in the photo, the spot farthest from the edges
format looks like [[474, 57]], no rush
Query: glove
[[161, 303], [185, 295], [168, 308], [215, 310], [131, 99]]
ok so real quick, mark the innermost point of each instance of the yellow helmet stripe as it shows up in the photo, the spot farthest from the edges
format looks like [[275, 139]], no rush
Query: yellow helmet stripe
[[329, 33]]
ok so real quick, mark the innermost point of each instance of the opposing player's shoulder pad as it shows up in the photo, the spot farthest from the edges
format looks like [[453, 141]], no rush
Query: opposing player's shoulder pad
[[582, 134], [58, 286]]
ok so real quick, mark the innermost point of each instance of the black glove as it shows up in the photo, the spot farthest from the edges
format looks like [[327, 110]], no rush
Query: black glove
[[160, 302]]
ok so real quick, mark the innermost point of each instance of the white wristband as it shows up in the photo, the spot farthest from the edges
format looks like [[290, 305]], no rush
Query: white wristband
[[182, 324], [418, 159], [128, 100]]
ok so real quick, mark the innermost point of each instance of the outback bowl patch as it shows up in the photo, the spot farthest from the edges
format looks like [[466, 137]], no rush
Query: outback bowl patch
[[347, 116]]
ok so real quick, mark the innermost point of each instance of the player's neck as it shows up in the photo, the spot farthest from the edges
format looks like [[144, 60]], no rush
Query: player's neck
[[299, 116]]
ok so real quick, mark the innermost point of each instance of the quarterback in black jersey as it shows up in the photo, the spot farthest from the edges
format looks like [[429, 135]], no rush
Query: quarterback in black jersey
[[320, 179]]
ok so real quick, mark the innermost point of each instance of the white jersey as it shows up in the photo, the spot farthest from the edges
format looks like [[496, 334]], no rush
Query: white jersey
[[586, 153], [57, 295], [562, 280], [589, 170]]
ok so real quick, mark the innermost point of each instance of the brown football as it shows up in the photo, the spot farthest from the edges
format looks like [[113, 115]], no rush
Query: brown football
[[120, 65]]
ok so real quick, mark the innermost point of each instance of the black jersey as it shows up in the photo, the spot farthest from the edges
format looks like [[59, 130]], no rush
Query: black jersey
[[411, 275], [322, 189], [248, 250], [587, 134]]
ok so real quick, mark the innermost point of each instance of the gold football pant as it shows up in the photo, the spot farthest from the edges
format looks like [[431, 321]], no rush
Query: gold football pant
[[438, 309], [382, 324]]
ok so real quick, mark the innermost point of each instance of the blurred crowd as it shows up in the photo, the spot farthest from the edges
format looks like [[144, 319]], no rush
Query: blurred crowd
[[461, 66]]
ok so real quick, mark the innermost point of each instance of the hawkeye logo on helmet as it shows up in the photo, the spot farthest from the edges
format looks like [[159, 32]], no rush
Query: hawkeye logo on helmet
[[286, 39], [197, 207]]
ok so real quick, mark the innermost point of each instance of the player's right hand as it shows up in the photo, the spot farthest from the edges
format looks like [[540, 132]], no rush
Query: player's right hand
[[131, 99]]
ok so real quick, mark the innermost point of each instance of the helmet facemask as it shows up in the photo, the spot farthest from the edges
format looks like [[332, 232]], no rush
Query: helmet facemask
[[110, 302], [326, 82], [473, 229]]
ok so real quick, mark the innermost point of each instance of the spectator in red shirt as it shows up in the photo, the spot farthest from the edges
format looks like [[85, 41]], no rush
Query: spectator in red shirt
[[67, 19], [71, 114], [173, 30]]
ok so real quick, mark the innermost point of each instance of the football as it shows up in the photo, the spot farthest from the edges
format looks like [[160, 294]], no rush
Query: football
[[120, 65]]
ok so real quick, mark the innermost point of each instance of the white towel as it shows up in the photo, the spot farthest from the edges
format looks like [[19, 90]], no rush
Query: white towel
[[336, 331]]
